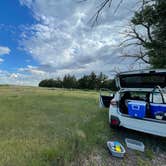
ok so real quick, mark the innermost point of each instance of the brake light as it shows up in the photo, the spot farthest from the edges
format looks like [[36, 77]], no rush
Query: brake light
[[114, 122]]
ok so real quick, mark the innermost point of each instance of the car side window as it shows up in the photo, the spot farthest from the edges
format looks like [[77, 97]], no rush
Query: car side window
[[156, 98]]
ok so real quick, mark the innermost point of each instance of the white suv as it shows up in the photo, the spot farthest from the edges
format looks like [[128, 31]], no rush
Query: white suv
[[146, 88]]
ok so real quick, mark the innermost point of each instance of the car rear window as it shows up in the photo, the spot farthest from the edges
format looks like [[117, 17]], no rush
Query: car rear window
[[142, 81]]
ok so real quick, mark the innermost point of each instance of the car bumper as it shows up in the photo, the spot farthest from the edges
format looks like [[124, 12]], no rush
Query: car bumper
[[144, 125]]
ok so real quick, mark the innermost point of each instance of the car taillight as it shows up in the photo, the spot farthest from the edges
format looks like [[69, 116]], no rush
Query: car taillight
[[114, 122], [113, 103]]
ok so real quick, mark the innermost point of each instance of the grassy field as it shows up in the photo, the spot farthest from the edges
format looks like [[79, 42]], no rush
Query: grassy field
[[46, 127]]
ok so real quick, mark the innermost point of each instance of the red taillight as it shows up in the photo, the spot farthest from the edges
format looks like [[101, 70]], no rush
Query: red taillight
[[113, 103], [114, 122]]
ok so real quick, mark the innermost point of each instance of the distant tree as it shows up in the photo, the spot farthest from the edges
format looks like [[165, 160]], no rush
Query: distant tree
[[83, 82], [43, 83], [91, 81], [47, 83], [58, 83], [101, 80], [69, 81], [51, 83]]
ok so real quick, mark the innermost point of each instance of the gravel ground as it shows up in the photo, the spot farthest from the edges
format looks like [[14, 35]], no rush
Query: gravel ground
[[154, 155], [131, 158]]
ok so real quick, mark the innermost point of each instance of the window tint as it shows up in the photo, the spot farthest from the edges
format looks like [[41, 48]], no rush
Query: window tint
[[144, 80]]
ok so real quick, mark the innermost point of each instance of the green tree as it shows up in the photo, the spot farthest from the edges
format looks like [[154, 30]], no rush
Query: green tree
[[69, 81], [58, 83], [147, 32], [158, 53], [92, 81], [47, 83], [43, 83], [151, 19], [101, 80], [83, 82]]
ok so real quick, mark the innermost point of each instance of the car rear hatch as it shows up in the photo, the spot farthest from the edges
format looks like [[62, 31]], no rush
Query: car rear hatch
[[141, 79]]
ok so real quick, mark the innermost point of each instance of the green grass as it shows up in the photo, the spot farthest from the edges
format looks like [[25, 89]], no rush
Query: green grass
[[41, 126], [45, 127]]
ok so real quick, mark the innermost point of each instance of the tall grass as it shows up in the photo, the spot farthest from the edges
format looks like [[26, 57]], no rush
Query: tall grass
[[43, 127]]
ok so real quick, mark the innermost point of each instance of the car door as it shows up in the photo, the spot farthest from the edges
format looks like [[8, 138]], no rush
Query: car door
[[105, 96]]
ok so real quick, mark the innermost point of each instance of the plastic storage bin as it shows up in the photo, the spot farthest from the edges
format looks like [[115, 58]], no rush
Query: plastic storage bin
[[111, 147], [136, 145], [157, 109], [137, 108]]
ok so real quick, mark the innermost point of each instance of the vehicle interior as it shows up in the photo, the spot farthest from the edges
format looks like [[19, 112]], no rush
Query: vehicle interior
[[155, 97], [130, 95]]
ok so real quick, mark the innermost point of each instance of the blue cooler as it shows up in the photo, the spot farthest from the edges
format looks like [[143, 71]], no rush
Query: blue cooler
[[157, 108], [137, 108]]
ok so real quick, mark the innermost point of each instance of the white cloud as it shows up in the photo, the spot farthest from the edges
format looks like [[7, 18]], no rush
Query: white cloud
[[33, 70], [64, 42], [4, 50], [18, 78], [1, 60], [14, 75]]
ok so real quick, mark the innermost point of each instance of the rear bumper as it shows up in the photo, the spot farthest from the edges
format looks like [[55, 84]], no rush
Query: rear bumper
[[146, 126], [143, 125]]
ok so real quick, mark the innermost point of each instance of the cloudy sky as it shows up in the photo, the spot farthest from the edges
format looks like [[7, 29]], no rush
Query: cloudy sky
[[49, 38]]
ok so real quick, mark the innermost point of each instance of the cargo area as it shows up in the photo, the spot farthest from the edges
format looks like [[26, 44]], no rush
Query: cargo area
[[141, 105]]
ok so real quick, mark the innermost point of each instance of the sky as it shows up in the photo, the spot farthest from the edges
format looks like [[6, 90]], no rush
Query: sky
[[42, 39]]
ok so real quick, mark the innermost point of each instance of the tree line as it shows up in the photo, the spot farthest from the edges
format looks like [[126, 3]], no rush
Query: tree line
[[89, 82]]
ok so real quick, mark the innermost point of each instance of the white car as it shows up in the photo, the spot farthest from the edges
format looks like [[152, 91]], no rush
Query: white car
[[143, 90]]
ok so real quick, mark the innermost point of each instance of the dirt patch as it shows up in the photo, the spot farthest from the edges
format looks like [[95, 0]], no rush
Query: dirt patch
[[131, 158]]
